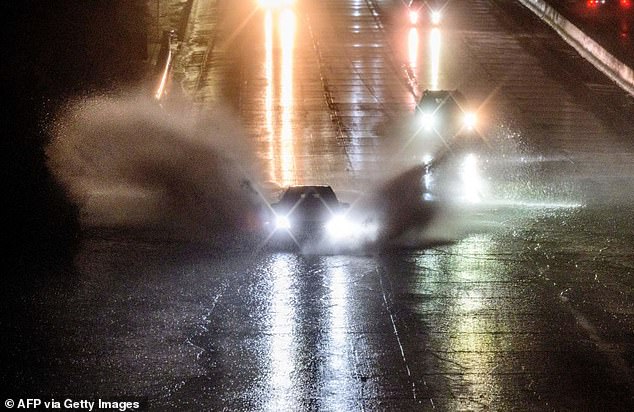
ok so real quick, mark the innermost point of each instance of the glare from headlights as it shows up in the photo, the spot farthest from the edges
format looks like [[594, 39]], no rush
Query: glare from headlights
[[276, 3], [435, 17], [428, 181], [472, 182], [413, 16], [282, 223], [469, 120], [339, 227], [428, 120]]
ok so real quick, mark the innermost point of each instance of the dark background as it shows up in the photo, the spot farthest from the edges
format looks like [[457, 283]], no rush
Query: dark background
[[54, 52]]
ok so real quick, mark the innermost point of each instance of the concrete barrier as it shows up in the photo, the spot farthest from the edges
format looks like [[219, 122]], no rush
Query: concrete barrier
[[592, 51]]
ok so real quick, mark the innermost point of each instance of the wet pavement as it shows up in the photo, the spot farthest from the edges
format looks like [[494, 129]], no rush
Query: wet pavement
[[534, 314], [520, 297]]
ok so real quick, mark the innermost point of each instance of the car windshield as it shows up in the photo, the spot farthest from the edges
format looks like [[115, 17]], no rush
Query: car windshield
[[441, 100], [308, 202]]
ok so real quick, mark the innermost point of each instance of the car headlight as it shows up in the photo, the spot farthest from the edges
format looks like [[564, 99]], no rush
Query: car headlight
[[469, 120], [413, 16], [282, 222], [428, 120], [435, 17]]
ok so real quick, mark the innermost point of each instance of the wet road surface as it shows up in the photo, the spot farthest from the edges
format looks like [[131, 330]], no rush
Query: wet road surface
[[525, 302], [533, 315]]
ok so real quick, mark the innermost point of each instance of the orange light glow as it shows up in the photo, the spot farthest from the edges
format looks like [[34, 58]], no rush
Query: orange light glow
[[268, 96], [413, 16], [412, 46], [434, 40], [271, 4], [278, 94], [279, 33], [160, 91], [287, 27], [593, 4]]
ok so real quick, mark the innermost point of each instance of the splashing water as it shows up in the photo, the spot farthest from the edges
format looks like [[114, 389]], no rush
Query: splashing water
[[130, 164]]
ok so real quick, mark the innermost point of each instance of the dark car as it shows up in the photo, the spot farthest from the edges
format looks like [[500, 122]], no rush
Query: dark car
[[446, 130], [309, 213], [418, 9], [445, 113]]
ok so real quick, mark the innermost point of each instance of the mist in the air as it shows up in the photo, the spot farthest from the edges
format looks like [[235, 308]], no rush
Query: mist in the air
[[135, 167], [131, 165]]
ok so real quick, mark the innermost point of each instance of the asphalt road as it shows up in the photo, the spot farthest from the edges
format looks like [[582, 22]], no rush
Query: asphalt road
[[519, 297]]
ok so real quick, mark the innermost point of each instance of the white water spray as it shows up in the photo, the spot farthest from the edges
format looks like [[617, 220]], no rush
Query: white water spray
[[130, 164]]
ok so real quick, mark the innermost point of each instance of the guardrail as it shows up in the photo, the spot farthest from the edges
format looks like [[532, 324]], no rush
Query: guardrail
[[592, 51]]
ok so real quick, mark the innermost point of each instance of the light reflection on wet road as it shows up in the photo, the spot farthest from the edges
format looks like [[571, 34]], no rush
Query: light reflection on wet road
[[525, 308], [482, 323], [490, 321]]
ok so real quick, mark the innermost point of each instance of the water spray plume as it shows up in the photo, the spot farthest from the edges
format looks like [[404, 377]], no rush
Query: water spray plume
[[129, 163]]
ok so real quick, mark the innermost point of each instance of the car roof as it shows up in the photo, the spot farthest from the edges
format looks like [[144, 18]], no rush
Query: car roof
[[443, 94], [447, 99], [437, 92], [310, 188], [322, 191]]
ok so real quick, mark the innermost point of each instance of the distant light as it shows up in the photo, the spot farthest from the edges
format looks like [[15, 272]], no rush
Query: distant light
[[434, 40], [276, 3], [413, 16], [626, 4], [435, 17], [412, 45], [593, 4]]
